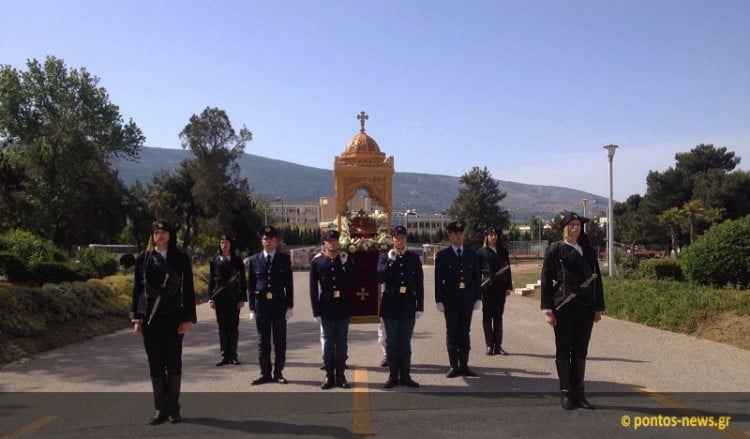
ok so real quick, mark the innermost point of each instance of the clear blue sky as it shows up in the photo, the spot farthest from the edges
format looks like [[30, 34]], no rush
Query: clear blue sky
[[532, 90]]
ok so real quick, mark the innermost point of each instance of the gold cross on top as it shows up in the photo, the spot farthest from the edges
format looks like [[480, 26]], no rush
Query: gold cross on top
[[362, 117]]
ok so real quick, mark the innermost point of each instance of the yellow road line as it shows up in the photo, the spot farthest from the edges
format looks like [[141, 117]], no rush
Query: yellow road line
[[362, 417], [669, 402], [29, 428]]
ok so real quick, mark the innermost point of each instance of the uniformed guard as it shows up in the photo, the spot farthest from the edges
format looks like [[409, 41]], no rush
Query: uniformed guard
[[332, 282], [572, 301], [496, 285], [400, 270], [163, 310], [457, 295], [271, 298], [227, 294]]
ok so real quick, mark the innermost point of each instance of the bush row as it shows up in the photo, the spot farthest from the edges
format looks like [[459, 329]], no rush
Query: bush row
[[26, 311], [671, 305]]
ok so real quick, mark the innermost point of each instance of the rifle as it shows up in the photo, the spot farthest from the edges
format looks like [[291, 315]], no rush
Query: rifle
[[157, 300], [221, 288], [572, 296], [497, 273]]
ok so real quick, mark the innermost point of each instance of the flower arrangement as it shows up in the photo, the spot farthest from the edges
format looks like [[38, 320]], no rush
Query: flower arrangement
[[364, 232]]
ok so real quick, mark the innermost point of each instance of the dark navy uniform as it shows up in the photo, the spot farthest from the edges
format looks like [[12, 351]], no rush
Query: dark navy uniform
[[163, 298], [403, 297], [492, 260], [227, 287], [271, 297], [563, 272], [457, 288], [332, 283]]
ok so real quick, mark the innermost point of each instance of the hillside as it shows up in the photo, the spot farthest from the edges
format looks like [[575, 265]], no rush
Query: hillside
[[427, 193]]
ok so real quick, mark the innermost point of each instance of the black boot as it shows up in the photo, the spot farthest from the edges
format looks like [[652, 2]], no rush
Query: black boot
[[464, 359], [453, 359], [265, 370], [384, 361], [577, 375], [563, 372], [174, 382], [330, 379], [393, 373], [233, 339], [405, 366], [340, 378], [159, 385]]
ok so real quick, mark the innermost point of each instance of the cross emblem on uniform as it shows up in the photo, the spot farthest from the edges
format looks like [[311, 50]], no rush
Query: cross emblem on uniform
[[362, 293]]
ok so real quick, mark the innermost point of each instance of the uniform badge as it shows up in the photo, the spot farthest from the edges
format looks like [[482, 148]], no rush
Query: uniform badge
[[461, 285], [269, 295], [336, 294], [402, 290]]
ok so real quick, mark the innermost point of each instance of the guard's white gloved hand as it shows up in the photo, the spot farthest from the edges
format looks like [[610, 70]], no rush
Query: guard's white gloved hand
[[289, 313], [344, 257], [392, 254], [418, 314], [252, 315], [477, 304], [440, 307], [317, 319]]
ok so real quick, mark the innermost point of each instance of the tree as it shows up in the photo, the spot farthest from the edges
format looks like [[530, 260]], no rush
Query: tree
[[62, 129], [478, 204]]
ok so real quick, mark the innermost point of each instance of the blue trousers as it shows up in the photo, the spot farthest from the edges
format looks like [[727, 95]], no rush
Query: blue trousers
[[398, 334], [335, 334]]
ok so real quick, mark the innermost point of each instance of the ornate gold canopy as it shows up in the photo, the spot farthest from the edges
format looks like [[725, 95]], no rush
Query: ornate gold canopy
[[363, 166]]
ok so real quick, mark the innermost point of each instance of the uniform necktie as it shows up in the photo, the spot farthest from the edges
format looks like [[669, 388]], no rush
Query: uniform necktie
[[459, 253], [268, 260]]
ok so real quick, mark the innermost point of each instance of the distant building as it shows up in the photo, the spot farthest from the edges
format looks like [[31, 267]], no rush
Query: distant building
[[301, 215]]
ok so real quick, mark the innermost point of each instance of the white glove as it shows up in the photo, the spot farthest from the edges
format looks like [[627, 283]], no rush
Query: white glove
[[344, 257], [392, 254], [440, 307], [289, 313], [317, 319], [252, 315], [418, 314], [477, 304]]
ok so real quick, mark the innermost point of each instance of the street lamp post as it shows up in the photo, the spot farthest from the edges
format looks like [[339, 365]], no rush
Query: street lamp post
[[584, 202], [610, 216]]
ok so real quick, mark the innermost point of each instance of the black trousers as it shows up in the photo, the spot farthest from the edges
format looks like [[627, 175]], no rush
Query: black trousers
[[272, 324], [228, 318], [163, 345], [492, 322], [458, 325], [573, 331]]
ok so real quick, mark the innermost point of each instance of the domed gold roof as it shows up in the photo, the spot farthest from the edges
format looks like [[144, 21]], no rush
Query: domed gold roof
[[362, 144]]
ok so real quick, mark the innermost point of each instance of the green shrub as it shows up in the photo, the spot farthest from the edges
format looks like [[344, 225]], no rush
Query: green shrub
[[721, 256], [12, 267], [54, 272], [629, 268], [660, 269], [30, 248], [98, 261], [127, 260]]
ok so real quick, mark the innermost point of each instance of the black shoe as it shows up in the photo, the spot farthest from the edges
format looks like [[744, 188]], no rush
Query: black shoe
[[500, 351], [465, 371], [223, 362], [583, 403], [489, 351], [384, 362], [159, 417], [175, 418], [328, 383], [567, 402], [391, 383], [452, 373], [323, 367], [235, 361], [262, 380], [279, 378]]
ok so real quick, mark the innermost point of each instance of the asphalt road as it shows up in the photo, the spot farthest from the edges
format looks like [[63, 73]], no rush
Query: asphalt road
[[101, 388]]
